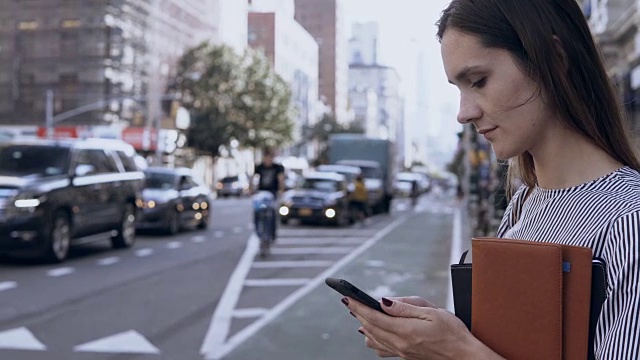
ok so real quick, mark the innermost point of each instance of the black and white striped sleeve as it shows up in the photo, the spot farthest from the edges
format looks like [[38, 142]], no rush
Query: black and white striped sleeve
[[618, 334]]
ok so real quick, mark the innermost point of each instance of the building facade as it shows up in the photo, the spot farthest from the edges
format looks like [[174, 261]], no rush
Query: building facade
[[615, 25], [120, 52], [230, 21], [385, 82], [325, 20], [363, 45], [294, 54]]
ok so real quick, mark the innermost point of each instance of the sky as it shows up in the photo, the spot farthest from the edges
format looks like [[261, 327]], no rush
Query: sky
[[405, 27]]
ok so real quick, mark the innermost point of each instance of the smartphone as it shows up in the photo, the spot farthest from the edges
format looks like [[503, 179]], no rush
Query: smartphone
[[347, 289]]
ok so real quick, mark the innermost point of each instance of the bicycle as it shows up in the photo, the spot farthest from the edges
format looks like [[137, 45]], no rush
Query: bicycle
[[264, 214]]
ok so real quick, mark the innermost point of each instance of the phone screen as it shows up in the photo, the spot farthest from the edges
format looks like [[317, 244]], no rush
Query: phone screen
[[347, 289]]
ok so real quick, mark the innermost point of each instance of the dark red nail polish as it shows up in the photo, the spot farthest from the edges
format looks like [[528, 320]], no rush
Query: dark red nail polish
[[345, 301], [352, 314], [387, 302], [361, 332]]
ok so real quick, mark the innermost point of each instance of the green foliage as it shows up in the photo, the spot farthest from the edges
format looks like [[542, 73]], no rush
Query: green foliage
[[324, 128], [233, 97]]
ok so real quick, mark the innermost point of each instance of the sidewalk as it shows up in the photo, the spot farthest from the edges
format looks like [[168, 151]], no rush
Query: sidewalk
[[413, 259]]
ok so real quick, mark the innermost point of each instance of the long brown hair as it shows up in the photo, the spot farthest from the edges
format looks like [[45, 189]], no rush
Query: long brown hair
[[551, 41]]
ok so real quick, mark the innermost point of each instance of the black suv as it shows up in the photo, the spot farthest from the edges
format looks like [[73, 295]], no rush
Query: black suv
[[58, 193]]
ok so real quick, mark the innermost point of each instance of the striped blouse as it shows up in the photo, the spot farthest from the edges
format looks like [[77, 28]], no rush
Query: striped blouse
[[603, 214]]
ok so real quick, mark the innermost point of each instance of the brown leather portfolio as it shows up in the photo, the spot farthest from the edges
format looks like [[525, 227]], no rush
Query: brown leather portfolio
[[531, 300]]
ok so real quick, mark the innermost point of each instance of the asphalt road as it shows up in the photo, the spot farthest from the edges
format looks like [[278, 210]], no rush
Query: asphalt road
[[169, 297]]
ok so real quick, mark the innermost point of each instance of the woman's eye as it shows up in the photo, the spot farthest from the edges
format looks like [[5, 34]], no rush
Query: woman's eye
[[480, 83]]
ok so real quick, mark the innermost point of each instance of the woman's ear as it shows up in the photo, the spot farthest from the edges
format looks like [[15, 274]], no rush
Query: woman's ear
[[561, 53]]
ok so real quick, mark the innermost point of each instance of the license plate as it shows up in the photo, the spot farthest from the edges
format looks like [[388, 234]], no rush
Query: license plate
[[305, 212]]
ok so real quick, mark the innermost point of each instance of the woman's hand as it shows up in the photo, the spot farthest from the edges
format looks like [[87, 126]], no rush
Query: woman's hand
[[415, 329]]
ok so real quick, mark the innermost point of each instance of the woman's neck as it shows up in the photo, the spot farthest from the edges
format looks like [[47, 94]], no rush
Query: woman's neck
[[565, 159]]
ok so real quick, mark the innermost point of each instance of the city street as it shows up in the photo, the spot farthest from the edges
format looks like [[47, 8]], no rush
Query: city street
[[203, 294]]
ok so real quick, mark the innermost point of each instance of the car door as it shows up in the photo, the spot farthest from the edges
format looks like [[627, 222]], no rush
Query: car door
[[187, 198], [87, 193]]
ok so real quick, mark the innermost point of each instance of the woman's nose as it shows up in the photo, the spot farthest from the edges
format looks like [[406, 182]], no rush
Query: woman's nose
[[469, 110]]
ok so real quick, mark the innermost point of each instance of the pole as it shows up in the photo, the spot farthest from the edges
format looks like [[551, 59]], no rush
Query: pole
[[49, 113]]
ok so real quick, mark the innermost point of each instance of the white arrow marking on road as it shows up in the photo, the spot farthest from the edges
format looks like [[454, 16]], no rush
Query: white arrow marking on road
[[144, 252], [108, 261], [130, 342], [6, 285], [199, 239], [276, 282], [309, 250], [218, 234], [60, 272], [174, 245], [20, 339], [249, 313]]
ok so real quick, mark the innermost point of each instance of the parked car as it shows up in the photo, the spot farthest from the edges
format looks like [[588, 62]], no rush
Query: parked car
[[59, 193], [173, 200], [238, 186], [322, 197]]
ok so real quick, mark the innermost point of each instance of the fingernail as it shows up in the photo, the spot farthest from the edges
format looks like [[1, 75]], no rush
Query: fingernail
[[345, 301], [352, 314], [361, 332], [387, 302]]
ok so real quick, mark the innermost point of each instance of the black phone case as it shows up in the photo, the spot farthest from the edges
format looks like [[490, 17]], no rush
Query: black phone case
[[347, 289]]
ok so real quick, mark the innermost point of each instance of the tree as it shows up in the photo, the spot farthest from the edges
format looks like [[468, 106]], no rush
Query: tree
[[232, 97], [328, 125]]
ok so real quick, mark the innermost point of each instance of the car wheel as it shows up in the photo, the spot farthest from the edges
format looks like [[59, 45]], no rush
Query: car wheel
[[173, 225], [127, 230], [59, 241]]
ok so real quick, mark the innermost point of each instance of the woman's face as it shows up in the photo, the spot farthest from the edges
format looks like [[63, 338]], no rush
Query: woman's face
[[495, 95]]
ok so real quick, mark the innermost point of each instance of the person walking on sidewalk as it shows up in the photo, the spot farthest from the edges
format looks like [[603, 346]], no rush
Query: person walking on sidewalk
[[359, 199], [532, 82]]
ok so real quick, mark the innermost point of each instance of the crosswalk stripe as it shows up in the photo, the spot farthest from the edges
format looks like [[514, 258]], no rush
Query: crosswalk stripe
[[291, 264], [276, 282], [311, 250], [7, 285]]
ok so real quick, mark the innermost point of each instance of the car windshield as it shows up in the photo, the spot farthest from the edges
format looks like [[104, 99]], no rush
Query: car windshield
[[230, 179], [371, 172], [320, 185], [160, 180], [27, 160]]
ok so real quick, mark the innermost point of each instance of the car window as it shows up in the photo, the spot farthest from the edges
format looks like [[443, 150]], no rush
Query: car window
[[102, 163], [320, 185], [127, 161], [157, 180], [27, 160], [229, 179]]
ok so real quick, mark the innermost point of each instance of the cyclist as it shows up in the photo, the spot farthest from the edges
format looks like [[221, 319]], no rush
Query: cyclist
[[270, 177]]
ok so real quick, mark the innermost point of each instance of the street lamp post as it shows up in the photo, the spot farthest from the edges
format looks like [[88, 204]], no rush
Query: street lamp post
[[49, 113]]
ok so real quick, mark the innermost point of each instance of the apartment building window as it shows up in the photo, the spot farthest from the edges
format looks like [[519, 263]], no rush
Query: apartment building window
[[27, 25], [68, 84], [70, 23], [69, 43]]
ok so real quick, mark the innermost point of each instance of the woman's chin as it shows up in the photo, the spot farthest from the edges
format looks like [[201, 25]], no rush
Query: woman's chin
[[503, 153]]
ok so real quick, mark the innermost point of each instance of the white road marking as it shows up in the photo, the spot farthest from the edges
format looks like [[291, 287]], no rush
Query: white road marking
[[20, 339], [7, 285], [218, 234], [144, 252], [130, 342], [310, 250], [214, 346], [375, 263], [174, 245], [60, 271], [222, 316], [320, 241], [402, 207], [456, 252], [291, 264], [249, 313], [199, 239], [237, 230], [108, 261], [275, 282]]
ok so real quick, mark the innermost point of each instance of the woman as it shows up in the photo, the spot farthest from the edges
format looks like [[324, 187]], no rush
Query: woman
[[532, 83]]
